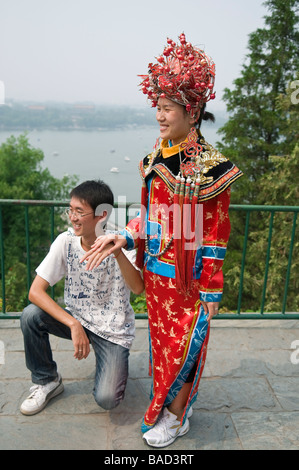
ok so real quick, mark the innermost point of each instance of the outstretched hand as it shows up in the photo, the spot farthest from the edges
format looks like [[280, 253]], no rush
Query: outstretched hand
[[103, 247]]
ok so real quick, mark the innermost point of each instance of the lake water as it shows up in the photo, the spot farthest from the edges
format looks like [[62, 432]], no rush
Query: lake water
[[92, 154]]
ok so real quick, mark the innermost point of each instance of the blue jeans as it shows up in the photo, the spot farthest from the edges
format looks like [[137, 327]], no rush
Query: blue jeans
[[111, 359]]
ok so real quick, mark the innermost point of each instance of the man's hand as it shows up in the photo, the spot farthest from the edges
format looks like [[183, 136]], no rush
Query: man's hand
[[80, 341]]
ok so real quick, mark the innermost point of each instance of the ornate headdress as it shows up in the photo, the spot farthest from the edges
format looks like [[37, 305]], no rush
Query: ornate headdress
[[184, 74]]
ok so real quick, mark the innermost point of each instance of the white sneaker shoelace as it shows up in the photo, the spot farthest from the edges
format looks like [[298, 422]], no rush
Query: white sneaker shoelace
[[37, 392]]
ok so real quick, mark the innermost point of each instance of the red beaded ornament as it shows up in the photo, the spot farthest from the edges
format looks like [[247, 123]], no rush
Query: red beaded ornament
[[183, 73]]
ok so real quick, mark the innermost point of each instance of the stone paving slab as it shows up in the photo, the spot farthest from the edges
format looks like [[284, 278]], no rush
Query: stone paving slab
[[248, 397]]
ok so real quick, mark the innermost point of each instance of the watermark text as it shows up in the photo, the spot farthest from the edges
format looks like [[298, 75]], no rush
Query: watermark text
[[295, 95], [295, 354], [176, 221]]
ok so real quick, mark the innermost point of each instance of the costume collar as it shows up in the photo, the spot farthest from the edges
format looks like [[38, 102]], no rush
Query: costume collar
[[167, 151]]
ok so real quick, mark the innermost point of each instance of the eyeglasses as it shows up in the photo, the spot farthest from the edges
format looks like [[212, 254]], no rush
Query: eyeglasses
[[71, 213]]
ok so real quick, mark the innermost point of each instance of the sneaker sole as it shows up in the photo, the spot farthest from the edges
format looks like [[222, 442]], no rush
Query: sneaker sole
[[182, 432], [51, 395]]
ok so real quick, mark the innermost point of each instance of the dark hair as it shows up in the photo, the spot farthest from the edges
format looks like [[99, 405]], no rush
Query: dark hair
[[204, 116], [93, 193]]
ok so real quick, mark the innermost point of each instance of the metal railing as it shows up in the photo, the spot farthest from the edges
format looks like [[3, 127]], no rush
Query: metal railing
[[272, 210], [247, 209]]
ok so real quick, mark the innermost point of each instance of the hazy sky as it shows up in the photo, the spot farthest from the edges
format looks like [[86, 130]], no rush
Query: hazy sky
[[93, 50]]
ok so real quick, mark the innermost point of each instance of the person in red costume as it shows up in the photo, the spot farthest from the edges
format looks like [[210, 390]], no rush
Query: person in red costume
[[181, 235]]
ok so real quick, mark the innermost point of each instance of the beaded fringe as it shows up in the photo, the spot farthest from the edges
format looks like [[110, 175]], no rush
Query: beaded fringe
[[185, 203]]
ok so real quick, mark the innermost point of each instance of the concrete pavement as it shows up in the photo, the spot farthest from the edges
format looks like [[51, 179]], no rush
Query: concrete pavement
[[249, 394]]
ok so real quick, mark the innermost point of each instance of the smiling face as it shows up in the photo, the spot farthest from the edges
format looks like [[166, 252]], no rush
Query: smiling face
[[175, 123], [83, 220]]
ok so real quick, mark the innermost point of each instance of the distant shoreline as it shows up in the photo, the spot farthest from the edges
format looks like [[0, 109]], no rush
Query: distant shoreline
[[29, 116]]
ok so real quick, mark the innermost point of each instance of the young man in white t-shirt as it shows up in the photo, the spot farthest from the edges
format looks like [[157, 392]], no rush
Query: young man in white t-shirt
[[97, 311]]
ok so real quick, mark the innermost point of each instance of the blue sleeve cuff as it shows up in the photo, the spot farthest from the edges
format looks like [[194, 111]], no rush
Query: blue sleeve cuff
[[129, 238], [210, 297]]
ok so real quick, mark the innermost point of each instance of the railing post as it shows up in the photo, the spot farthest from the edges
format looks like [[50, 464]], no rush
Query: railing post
[[2, 262], [267, 261], [243, 261], [289, 264], [28, 261]]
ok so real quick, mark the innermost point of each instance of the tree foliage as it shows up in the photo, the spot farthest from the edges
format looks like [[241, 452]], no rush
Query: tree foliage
[[255, 128], [22, 177], [272, 179]]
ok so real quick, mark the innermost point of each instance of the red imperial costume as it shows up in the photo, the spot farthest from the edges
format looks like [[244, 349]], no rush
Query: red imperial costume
[[178, 327], [182, 230]]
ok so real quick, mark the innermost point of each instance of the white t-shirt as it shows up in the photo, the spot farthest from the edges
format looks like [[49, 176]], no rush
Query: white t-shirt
[[99, 299]]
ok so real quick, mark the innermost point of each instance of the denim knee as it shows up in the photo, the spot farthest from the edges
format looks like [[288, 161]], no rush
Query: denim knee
[[29, 316], [107, 400]]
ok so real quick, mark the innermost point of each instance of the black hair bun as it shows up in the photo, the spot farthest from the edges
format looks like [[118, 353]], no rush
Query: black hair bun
[[208, 116]]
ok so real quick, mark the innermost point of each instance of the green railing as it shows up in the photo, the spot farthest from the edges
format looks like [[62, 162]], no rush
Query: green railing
[[247, 209], [272, 210]]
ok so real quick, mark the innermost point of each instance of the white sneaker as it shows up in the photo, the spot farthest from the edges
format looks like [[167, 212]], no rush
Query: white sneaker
[[40, 395], [166, 430]]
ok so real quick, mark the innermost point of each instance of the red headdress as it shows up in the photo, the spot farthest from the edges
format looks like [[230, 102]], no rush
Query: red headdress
[[184, 74]]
